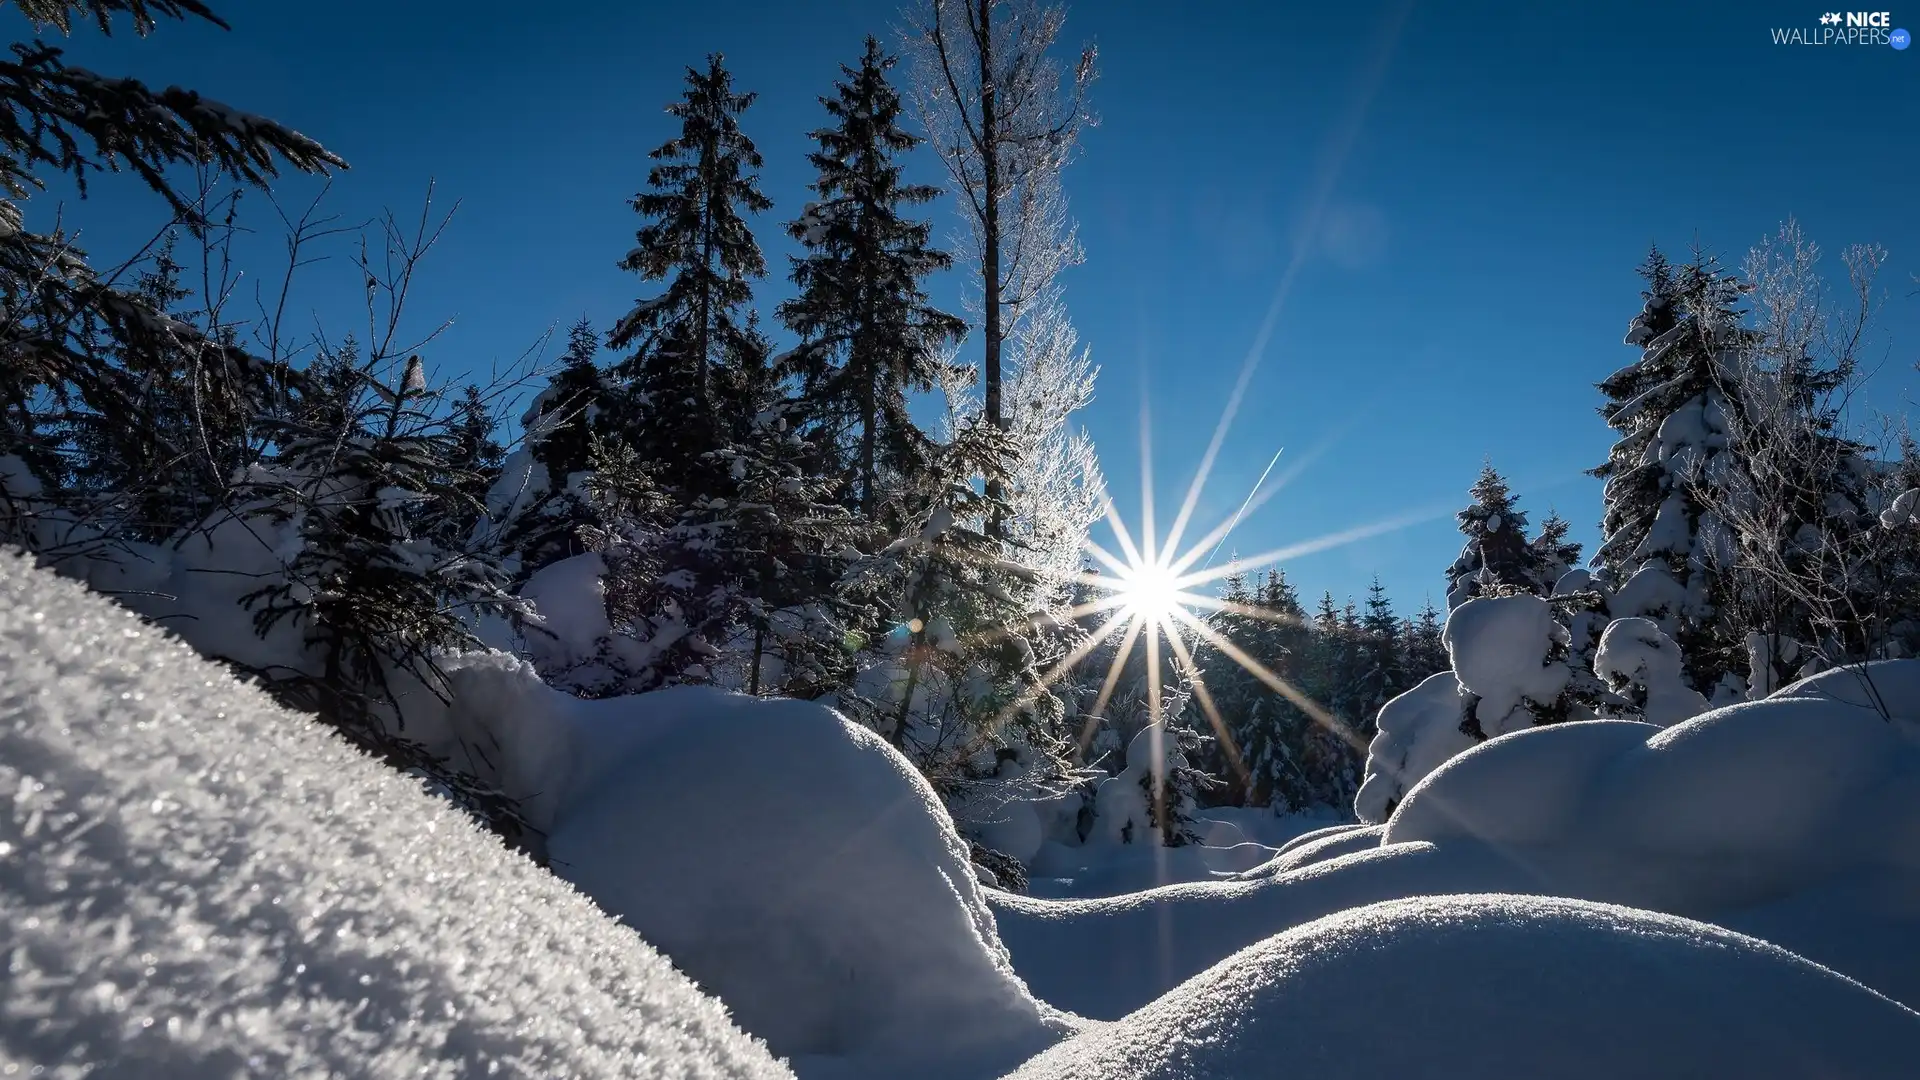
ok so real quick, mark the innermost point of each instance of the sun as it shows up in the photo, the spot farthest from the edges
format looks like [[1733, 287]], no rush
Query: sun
[[1150, 591]]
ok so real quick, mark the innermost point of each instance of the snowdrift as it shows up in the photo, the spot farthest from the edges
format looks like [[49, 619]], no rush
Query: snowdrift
[[1479, 986], [195, 883], [800, 869], [1796, 818]]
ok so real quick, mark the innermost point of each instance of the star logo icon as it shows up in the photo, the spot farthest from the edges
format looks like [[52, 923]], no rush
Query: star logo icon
[[1831, 18]]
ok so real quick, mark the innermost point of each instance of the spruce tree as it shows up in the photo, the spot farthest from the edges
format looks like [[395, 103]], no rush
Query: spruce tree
[[1553, 554], [696, 365], [1426, 652], [366, 600], [1669, 406], [1497, 555], [1380, 660], [542, 503], [474, 457], [871, 336]]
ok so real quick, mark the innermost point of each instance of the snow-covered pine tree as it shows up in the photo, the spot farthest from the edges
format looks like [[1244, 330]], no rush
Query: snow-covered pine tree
[[687, 405], [1553, 554], [539, 504], [363, 600], [870, 335], [1497, 554], [1670, 407]]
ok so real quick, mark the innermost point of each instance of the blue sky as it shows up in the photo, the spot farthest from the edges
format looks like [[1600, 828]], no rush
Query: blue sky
[[1455, 196]]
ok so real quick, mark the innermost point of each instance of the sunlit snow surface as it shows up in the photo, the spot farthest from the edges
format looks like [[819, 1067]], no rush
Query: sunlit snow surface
[[1500, 986], [195, 884]]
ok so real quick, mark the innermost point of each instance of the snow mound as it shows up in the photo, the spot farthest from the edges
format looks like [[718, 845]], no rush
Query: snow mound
[[196, 883], [1737, 807], [1793, 818], [1885, 686], [801, 870], [1573, 990]]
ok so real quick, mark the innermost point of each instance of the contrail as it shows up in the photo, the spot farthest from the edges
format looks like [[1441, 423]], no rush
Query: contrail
[[1244, 503]]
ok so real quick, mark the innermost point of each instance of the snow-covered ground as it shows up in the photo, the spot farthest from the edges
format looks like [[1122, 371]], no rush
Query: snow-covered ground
[[1500, 986], [196, 883]]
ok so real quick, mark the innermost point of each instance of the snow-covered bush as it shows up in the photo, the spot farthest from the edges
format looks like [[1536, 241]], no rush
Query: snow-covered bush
[[1510, 672], [1642, 664], [1510, 654], [1152, 799], [1417, 732]]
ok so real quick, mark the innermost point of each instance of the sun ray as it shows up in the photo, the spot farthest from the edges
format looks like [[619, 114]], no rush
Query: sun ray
[[1251, 611], [1146, 482], [1205, 697], [1259, 497], [1119, 527], [1310, 547], [1111, 562], [1067, 664], [1107, 686], [1156, 730], [1314, 710]]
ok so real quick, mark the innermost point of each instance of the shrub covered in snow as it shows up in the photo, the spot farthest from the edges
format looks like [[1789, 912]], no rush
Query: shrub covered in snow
[[1642, 664]]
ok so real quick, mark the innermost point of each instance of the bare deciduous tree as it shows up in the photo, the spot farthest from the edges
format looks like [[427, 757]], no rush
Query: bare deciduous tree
[[1005, 119], [1803, 560]]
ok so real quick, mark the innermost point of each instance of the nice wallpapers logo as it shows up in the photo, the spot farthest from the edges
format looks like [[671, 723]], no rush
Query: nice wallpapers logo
[[1846, 28]]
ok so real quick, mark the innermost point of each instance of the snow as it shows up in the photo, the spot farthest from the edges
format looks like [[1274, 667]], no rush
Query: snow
[[1498, 648], [801, 870], [1651, 590], [186, 846], [1905, 510], [1121, 814], [1418, 731], [1635, 654], [569, 609], [1478, 986], [1891, 687], [1796, 817], [194, 882]]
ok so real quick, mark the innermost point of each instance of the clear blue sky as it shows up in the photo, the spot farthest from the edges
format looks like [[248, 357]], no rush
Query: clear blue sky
[[1488, 176]]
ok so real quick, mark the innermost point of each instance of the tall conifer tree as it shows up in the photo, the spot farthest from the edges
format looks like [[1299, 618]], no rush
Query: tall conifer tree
[[871, 335]]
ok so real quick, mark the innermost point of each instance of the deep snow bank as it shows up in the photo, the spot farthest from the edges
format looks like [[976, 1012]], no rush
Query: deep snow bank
[[195, 883], [800, 869], [1478, 986], [1797, 817]]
